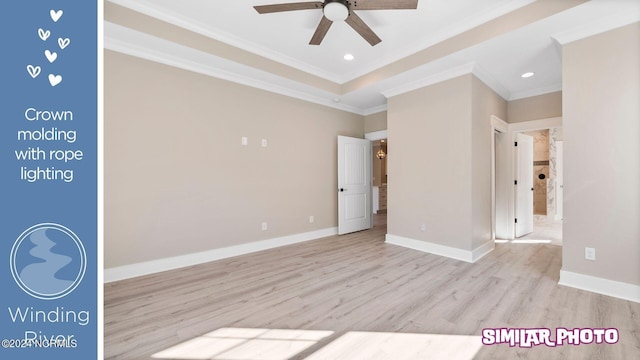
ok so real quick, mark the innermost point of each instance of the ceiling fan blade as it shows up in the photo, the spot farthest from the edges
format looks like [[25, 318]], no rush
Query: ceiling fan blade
[[384, 4], [321, 31], [361, 28], [266, 9]]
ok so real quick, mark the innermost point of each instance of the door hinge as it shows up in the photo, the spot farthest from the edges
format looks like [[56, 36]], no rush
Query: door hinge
[[515, 143], [516, 220], [515, 182]]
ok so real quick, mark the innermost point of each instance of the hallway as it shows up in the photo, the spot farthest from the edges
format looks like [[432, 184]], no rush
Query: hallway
[[544, 231]]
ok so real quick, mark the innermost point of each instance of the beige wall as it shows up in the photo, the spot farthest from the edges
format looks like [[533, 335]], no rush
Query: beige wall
[[430, 130], [177, 179], [535, 108], [442, 135], [485, 102], [601, 88], [375, 122]]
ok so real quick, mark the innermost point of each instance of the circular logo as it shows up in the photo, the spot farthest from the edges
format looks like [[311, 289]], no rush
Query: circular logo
[[48, 261]]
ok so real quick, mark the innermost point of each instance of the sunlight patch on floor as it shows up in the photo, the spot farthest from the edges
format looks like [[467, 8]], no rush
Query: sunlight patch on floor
[[279, 344], [245, 344], [530, 241], [358, 345], [523, 241]]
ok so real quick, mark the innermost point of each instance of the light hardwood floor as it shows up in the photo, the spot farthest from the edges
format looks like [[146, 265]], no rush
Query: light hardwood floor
[[357, 283], [544, 229]]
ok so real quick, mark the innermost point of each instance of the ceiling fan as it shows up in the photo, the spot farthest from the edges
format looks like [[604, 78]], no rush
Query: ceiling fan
[[341, 10]]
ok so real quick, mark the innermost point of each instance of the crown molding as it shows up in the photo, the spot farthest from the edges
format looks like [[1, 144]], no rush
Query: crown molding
[[149, 9], [442, 35], [152, 10], [123, 40], [630, 15], [430, 80], [536, 92], [451, 73], [477, 71], [492, 83], [375, 110]]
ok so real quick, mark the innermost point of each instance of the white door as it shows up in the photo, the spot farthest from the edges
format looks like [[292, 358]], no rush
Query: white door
[[524, 185], [559, 181], [354, 184]]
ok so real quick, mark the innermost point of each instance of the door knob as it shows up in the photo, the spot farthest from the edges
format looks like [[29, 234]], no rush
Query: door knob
[[342, 189]]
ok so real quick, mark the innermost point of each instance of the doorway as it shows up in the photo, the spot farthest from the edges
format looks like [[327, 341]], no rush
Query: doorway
[[380, 150], [380, 174], [547, 186], [546, 178]]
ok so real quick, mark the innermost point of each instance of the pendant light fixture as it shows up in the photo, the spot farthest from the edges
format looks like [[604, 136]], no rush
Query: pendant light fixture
[[381, 154]]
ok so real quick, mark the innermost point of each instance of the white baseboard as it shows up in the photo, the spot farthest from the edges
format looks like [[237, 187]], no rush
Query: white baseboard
[[482, 250], [601, 286], [155, 266], [442, 250]]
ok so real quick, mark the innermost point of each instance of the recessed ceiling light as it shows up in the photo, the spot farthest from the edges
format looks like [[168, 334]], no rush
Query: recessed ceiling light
[[348, 57], [527, 75]]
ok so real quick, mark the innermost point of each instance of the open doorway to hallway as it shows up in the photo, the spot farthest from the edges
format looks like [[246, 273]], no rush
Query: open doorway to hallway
[[513, 216], [547, 185], [544, 231], [380, 151]]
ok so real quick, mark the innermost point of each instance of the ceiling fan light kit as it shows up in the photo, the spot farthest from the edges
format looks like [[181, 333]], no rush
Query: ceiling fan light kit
[[341, 10], [336, 10]]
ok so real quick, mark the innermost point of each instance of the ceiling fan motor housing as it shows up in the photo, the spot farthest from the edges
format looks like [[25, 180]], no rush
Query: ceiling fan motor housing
[[336, 10]]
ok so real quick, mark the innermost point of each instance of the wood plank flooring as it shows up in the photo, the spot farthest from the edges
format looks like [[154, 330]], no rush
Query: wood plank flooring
[[357, 283]]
